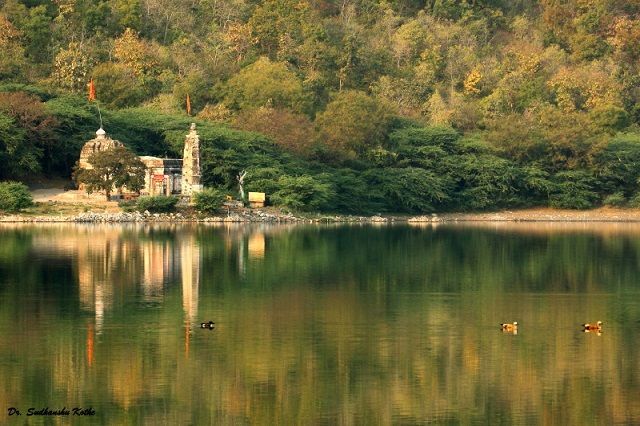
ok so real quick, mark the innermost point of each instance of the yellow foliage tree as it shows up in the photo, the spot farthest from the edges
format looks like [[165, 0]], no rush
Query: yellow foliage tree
[[471, 82], [71, 67], [11, 51], [134, 53], [218, 113], [585, 88], [238, 39]]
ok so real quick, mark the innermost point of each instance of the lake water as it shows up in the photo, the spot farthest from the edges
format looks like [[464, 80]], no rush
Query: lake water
[[335, 325]]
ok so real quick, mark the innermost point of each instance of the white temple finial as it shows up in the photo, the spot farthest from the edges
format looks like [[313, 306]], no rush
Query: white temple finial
[[100, 133]]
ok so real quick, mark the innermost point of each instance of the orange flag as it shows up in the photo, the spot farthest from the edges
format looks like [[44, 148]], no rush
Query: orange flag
[[188, 105], [92, 91]]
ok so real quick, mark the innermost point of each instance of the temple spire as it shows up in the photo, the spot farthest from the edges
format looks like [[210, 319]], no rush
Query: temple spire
[[191, 163]]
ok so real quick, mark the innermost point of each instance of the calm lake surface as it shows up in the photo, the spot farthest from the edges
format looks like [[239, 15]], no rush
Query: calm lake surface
[[321, 324]]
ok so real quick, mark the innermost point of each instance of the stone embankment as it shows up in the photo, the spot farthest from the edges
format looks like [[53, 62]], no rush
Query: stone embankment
[[147, 217], [260, 216]]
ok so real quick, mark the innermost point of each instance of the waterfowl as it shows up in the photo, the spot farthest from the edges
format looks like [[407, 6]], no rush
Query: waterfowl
[[509, 326], [210, 325], [593, 327]]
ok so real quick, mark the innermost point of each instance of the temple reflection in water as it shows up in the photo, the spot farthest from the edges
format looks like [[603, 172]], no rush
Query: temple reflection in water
[[105, 258]]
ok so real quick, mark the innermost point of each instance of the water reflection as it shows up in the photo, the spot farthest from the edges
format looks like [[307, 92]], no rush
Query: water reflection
[[330, 325]]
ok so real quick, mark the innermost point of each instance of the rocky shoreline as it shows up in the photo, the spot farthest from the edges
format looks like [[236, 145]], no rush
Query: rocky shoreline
[[259, 216], [146, 217]]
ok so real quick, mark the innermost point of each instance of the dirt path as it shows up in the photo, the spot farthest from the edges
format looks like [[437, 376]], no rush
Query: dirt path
[[48, 194]]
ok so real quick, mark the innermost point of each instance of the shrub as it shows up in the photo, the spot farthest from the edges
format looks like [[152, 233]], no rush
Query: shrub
[[157, 204], [443, 137], [635, 201], [303, 193], [14, 196], [615, 200], [573, 190], [410, 189], [128, 205], [209, 200]]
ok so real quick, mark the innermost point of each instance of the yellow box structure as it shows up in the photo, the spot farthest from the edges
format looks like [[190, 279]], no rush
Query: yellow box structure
[[257, 199]]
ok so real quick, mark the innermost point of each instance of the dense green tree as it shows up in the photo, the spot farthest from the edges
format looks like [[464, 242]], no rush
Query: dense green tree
[[17, 158], [14, 196], [117, 85], [617, 164], [574, 189], [128, 13], [112, 169], [414, 190], [352, 123], [266, 83], [303, 193]]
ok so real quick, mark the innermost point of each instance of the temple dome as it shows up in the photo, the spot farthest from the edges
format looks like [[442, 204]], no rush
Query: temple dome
[[101, 142]]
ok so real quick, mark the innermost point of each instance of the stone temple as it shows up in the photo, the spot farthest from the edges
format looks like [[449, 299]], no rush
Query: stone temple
[[164, 176]]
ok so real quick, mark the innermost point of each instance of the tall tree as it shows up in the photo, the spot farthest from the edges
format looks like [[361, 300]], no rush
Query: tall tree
[[265, 82], [352, 123]]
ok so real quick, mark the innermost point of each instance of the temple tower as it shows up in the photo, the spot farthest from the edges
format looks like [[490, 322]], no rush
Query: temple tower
[[191, 163], [100, 143]]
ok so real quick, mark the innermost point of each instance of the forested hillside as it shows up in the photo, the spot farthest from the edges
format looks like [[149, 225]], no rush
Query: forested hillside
[[349, 105]]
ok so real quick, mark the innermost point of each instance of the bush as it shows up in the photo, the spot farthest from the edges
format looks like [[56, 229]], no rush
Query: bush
[[635, 201], [209, 200], [14, 196], [303, 193], [615, 200], [128, 205], [410, 190], [573, 190], [157, 204]]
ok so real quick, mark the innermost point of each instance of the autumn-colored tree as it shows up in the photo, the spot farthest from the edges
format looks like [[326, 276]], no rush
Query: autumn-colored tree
[[239, 39], [406, 94], [11, 51], [472, 81], [352, 123], [586, 87], [409, 41], [117, 85], [266, 82], [29, 114], [134, 53], [71, 68], [112, 169], [293, 132], [218, 113]]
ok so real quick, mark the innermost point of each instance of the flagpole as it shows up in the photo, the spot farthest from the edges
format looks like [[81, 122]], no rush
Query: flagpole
[[99, 113], [92, 97]]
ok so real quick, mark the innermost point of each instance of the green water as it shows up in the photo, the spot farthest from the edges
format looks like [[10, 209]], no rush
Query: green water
[[330, 325]]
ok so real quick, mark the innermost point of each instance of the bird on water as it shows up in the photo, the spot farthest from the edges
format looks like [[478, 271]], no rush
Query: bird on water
[[210, 325], [509, 326], [593, 327]]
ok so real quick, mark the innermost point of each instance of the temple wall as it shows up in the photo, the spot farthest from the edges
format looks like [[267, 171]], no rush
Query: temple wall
[[163, 176]]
